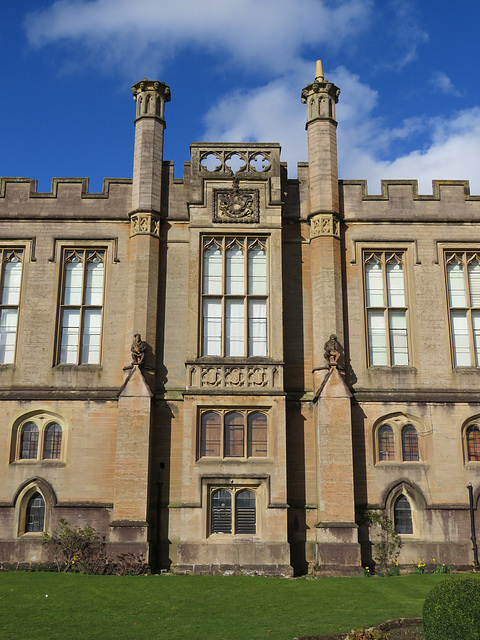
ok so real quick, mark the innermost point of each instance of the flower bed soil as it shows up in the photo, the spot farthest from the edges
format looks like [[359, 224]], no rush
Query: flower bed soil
[[401, 629]]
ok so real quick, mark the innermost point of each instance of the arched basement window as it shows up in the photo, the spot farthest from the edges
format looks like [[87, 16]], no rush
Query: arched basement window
[[35, 514], [221, 511], [245, 517], [402, 515]]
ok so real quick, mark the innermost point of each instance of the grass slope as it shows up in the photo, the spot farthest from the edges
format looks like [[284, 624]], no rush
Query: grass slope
[[171, 607]]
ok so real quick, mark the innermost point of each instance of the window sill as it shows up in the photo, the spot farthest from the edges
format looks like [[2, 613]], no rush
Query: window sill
[[210, 460], [396, 368], [401, 464], [42, 462], [232, 537], [76, 367], [472, 464], [234, 360]]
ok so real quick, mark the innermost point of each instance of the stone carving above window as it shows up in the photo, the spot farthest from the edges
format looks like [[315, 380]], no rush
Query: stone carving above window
[[215, 376], [235, 204], [228, 162], [324, 224]]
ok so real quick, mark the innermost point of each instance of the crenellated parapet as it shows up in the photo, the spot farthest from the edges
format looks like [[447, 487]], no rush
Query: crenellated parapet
[[400, 201], [19, 197]]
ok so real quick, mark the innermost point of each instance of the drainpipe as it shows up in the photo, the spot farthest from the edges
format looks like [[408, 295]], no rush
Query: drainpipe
[[161, 467], [472, 527]]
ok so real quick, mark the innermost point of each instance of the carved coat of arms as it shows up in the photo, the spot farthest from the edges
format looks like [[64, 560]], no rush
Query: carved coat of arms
[[236, 205]]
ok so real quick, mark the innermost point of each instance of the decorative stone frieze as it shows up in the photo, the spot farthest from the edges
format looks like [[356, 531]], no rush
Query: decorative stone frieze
[[235, 204], [144, 224], [324, 224], [228, 376]]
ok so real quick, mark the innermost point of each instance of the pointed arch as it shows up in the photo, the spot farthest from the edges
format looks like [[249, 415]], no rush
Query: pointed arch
[[409, 443], [405, 504], [402, 515], [34, 502]]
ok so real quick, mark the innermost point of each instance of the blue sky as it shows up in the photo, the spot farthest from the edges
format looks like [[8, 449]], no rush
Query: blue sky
[[407, 69]]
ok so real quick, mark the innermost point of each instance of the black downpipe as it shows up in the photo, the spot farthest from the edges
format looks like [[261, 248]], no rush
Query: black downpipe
[[472, 527]]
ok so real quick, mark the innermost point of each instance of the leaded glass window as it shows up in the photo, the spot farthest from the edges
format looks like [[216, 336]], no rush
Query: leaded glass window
[[386, 443], [402, 515], [53, 441], [233, 434], [386, 308], [473, 443], [35, 514], [234, 296], [29, 442], [463, 279], [409, 443], [11, 278], [81, 308]]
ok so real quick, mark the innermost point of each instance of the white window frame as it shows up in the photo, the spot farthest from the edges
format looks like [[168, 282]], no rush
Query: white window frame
[[386, 310], [217, 327], [10, 303], [82, 308], [464, 306]]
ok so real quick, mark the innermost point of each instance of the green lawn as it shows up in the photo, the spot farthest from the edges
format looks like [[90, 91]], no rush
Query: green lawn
[[199, 607]]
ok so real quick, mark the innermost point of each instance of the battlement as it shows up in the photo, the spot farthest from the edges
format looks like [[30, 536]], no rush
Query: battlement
[[68, 198], [399, 200], [60, 186]]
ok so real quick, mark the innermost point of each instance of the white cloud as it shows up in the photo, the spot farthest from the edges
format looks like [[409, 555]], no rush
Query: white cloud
[[266, 35], [442, 82], [274, 113], [407, 35], [453, 153], [272, 37]]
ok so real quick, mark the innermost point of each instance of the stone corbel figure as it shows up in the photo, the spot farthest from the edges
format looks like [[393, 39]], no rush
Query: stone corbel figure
[[138, 349], [332, 350]]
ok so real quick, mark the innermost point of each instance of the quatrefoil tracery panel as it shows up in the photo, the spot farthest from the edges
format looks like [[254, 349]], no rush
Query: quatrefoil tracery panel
[[233, 162]]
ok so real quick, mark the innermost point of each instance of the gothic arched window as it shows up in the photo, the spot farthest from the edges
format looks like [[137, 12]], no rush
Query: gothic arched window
[[402, 515], [409, 443], [53, 441], [35, 514], [386, 443], [29, 441], [473, 443]]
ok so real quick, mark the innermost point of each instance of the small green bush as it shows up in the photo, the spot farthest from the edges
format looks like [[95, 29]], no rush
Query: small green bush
[[76, 549], [452, 610]]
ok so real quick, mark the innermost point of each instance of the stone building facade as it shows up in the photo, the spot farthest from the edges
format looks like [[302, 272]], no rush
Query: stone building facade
[[222, 372]]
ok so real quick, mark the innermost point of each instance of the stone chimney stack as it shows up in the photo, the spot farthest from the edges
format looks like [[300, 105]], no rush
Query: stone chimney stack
[[321, 97], [144, 249], [150, 96]]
